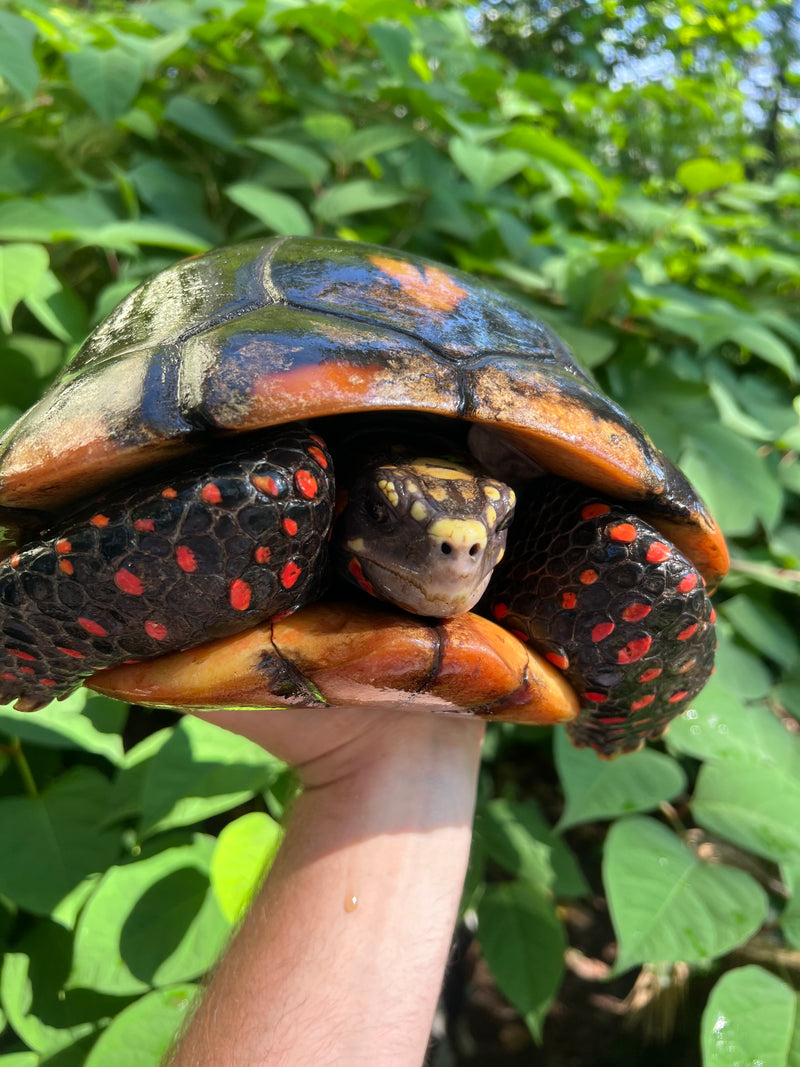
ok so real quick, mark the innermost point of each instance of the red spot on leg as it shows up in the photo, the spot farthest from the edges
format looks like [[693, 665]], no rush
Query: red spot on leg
[[319, 456], [355, 569], [262, 554], [657, 552], [156, 630], [65, 566], [240, 594], [169, 493], [27, 670], [687, 583], [128, 582], [289, 527], [624, 532], [592, 511], [650, 674], [713, 616], [306, 483], [211, 494], [636, 611], [265, 484], [634, 650], [500, 611], [63, 546], [569, 600], [144, 525], [70, 652], [15, 559], [637, 705], [185, 559], [558, 659], [603, 629], [46, 681], [690, 631], [99, 520], [9, 677], [19, 654], [596, 698], [92, 627], [678, 696], [588, 577]]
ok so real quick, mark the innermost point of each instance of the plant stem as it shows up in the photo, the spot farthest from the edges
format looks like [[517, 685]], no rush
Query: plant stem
[[24, 768]]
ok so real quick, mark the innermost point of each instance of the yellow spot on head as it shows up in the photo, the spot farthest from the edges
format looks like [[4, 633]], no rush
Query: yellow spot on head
[[356, 544], [491, 492], [491, 515], [419, 511], [461, 533], [437, 493], [389, 491]]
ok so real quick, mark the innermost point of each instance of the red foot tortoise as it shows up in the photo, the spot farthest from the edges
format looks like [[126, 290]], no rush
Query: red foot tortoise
[[173, 496]]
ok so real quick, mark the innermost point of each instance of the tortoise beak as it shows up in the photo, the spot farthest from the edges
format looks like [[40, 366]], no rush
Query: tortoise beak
[[330, 654]]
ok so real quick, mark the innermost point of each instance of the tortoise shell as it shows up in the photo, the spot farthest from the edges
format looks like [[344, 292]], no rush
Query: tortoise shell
[[295, 328]]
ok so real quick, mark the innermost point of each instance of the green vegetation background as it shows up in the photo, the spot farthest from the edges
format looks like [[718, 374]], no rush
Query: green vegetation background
[[632, 170]]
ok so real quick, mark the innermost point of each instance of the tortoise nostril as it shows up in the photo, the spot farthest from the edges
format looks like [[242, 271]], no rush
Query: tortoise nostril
[[475, 549], [446, 548]]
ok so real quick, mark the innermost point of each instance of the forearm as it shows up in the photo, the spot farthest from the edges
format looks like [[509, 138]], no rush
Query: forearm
[[341, 956]]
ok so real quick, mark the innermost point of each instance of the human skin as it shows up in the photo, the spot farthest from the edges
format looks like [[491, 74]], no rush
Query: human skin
[[340, 958]]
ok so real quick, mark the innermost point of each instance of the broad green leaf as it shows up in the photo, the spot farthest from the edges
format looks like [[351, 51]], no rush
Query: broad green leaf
[[127, 233], [79, 722], [51, 842], [523, 942], [202, 120], [764, 628], [302, 159], [108, 80], [751, 1018], [604, 789], [703, 175], [17, 64], [486, 167], [372, 141], [351, 198], [57, 308], [20, 1059], [17, 993], [141, 1035], [21, 267], [279, 212], [200, 771], [756, 806], [244, 853], [518, 838], [155, 922], [667, 904], [327, 126], [720, 727]]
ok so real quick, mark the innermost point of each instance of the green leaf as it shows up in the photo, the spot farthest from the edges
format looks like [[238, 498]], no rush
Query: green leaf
[[51, 842], [305, 160], [17, 994], [604, 789], [703, 175], [279, 212], [756, 806], [523, 942], [79, 722], [17, 64], [108, 80], [244, 853], [720, 727], [200, 771], [200, 119], [21, 268], [141, 1035], [155, 922], [372, 141], [667, 905], [764, 628], [351, 198], [486, 167], [751, 1018]]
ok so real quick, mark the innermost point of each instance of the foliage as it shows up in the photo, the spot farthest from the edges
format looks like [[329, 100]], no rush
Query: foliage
[[655, 232]]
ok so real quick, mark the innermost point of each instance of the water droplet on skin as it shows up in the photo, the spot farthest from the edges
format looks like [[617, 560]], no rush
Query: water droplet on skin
[[350, 903]]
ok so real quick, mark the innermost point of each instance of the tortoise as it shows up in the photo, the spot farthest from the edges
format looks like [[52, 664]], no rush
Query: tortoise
[[174, 487]]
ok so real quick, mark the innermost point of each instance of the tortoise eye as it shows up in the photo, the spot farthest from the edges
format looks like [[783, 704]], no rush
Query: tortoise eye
[[505, 523], [378, 512]]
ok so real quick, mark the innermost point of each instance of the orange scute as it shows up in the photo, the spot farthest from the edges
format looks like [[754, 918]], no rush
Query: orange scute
[[430, 287]]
